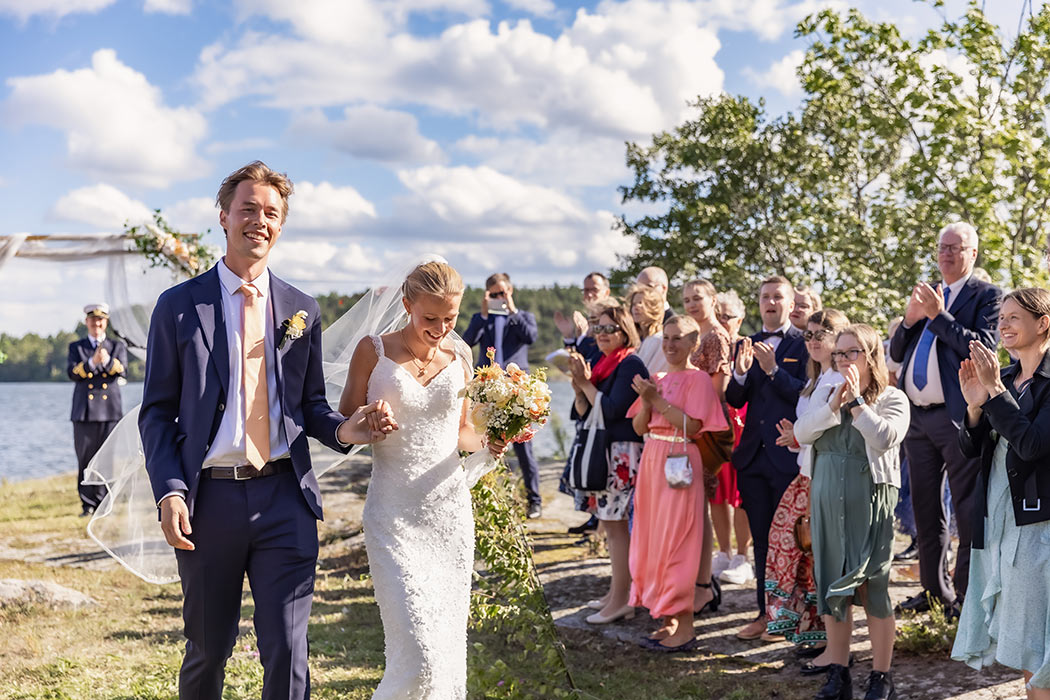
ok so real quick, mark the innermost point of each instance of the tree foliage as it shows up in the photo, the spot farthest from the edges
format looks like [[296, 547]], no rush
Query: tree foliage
[[893, 138]]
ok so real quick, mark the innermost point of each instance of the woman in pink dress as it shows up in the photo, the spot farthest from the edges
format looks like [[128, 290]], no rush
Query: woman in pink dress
[[669, 522]]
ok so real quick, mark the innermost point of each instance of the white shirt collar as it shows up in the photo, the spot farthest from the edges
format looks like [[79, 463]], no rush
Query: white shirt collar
[[956, 287], [783, 329], [231, 282]]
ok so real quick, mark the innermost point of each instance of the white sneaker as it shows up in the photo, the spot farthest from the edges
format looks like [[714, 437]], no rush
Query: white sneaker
[[719, 563], [739, 570]]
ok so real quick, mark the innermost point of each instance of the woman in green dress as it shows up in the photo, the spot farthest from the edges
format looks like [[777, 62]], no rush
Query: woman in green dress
[[1006, 613], [856, 429]]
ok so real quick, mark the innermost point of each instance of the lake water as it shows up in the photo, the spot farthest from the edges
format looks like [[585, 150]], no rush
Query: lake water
[[36, 436]]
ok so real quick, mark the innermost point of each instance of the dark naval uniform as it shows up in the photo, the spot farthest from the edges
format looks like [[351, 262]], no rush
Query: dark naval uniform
[[96, 406]]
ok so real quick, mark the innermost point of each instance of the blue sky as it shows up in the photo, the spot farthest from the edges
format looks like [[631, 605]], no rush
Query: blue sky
[[489, 132]]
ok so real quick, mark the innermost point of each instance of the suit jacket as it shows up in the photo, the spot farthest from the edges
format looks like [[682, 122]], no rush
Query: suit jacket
[[768, 401], [1024, 421], [96, 394], [188, 376], [518, 334], [974, 316]]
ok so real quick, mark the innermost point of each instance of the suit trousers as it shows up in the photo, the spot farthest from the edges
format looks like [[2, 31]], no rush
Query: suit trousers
[[88, 437], [530, 471], [932, 448], [263, 528], [761, 485]]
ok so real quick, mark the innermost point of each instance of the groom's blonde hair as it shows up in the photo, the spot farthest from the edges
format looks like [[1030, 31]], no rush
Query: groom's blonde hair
[[256, 171], [435, 278]]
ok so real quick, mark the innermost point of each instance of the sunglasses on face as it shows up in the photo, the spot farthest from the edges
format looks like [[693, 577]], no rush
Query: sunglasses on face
[[850, 355], [610, 328], [815, 335], [497, 295]]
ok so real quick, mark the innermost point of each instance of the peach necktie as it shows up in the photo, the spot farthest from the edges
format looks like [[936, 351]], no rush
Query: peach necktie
[[253, 373]]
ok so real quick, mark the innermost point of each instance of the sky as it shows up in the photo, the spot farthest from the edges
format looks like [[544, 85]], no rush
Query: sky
[[491, 132]]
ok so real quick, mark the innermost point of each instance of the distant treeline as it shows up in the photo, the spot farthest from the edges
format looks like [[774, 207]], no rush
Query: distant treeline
[[35, 358]]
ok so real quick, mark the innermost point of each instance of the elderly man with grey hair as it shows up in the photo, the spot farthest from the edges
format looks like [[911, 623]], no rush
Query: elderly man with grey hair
[[940, 321], [656, 278]]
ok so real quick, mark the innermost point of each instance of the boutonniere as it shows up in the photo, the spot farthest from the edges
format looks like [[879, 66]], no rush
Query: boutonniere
[[293, 328]]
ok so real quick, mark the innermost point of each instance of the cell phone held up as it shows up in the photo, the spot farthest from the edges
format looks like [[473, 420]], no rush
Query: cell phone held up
[[498, 307]]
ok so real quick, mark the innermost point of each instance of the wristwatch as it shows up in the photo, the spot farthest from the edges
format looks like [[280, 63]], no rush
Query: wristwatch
[[859, 401]]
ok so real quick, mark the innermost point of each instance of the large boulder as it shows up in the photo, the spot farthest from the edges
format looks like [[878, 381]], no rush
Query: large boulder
[[35, 592]]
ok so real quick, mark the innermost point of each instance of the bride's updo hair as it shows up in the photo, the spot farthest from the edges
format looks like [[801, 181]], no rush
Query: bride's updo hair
[[435, 278]]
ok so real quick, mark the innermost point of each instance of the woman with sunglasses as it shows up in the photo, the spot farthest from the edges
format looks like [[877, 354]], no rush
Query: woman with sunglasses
[[610, 382], [791, 600], [1006, 613], [855, 430]]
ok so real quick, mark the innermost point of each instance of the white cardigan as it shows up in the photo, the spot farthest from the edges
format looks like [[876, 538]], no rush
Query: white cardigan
[[883, 425], [805, 458]]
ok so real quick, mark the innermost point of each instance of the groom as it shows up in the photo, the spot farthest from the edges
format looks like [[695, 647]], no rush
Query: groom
[[233, 388]]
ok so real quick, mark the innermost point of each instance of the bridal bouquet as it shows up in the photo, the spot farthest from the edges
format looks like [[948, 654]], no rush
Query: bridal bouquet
[[507, 403]]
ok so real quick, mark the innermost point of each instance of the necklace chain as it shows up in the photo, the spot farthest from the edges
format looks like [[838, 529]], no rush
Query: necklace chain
[[422, 365]]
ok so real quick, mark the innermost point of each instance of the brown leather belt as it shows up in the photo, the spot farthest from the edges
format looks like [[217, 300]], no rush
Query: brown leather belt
[[248, 471]]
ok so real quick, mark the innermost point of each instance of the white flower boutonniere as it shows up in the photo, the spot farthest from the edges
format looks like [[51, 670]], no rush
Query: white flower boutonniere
[[293, 328]]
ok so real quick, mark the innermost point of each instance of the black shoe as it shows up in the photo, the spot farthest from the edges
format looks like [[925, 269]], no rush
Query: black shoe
[[811, 669], [591, 524], [535, 511], [838, 686], [712, 604], [809, 650], [909, 554], [880, 686], [918, 603], [655, 645]]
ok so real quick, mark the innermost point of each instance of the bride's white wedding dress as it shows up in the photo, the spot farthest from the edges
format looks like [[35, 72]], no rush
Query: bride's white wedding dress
[[419, 533]]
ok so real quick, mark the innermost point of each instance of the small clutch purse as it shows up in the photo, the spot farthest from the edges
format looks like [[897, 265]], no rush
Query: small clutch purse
[[803, 537], [677, 470]]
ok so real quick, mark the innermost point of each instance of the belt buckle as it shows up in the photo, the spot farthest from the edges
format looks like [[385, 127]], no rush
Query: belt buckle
[[237, 473]]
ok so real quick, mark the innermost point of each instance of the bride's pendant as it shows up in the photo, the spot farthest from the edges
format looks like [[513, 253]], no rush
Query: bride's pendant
[[422, 366]]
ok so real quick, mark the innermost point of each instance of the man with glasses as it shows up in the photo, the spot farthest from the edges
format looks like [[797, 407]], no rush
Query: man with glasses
[[575, 332], [510, 331], [931, 342]]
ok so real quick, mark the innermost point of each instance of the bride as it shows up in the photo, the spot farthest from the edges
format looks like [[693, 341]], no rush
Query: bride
[[418, 522]]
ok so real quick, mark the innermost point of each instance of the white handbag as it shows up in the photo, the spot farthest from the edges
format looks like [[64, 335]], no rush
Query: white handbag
[[677, 470]]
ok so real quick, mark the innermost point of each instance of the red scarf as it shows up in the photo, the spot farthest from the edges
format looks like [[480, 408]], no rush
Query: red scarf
[[608, 364]]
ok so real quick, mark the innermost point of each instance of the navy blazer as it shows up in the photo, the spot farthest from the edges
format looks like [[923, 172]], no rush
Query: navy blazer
[[617, 397], [518, 334], [1025, 423], [188, 375], [975, 316], [768, 401], [96, 394]]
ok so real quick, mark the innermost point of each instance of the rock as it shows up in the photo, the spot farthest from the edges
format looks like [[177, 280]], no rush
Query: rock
[[17, 592]]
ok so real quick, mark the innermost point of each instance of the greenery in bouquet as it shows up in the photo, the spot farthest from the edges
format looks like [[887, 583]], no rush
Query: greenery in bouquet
[[182, 253], [508, 403]]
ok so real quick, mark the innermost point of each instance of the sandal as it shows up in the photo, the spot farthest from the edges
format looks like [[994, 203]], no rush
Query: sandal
[[715, 601]]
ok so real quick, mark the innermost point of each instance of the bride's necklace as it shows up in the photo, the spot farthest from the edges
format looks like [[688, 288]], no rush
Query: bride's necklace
[[421, 365]]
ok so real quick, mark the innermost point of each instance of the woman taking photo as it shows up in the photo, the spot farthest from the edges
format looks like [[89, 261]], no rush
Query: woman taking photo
[[855, 430], [1006, 612], [791, 594], [669, 520], [610, 382]]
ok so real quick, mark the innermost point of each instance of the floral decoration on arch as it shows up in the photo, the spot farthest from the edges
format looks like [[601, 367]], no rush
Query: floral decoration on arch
[[182, 253]]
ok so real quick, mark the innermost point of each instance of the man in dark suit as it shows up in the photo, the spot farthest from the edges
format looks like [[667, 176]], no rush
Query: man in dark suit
[[510, 331], [234, 385], [95, 363], [939, 323], [769, 387], [576, 332]]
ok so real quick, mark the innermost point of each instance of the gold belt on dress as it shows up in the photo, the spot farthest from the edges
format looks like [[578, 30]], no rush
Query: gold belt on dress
[[665, 438]]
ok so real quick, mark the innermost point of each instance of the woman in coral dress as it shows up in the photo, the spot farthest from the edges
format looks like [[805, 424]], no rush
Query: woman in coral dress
[[669, 522]]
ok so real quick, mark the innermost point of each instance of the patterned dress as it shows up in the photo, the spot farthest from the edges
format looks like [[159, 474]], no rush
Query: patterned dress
[[713, 355]]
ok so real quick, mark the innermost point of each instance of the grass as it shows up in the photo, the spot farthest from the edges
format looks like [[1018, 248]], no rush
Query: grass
[[130, 644]]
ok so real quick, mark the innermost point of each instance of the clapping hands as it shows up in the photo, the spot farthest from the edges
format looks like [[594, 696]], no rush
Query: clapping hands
[[925, 302], [579, 368], [570, 328], [645, 388], [982, 368], [787, 434], [849, 390]]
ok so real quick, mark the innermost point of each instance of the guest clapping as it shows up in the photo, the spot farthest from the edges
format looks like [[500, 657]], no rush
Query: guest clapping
[[855, 430], [669, 518], [1006, 611], [610, 383]]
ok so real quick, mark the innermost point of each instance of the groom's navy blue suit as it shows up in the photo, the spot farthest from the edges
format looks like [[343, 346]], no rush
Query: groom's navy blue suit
[[265, 527]]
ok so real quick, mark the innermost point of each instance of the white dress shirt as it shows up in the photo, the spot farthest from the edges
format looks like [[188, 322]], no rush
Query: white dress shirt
[[228, 448], [933, 393]]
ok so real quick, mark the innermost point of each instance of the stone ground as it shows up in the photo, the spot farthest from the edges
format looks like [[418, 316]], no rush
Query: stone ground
[[568, 583]]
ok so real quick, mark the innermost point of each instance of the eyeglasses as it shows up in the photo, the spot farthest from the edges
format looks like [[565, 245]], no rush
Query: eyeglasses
[[953, 248], [609, 328], [815, 335], [850, 355], [726, 317]]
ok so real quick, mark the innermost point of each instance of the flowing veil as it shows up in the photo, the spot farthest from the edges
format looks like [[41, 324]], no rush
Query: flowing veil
[[126, 524]]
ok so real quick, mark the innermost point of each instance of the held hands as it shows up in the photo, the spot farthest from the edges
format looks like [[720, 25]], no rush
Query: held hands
[[849, 390], [496, 446], [766, 356], [745, 356], [645, 388], [369, 423], [787, 433], [986, 365], [175, 522]]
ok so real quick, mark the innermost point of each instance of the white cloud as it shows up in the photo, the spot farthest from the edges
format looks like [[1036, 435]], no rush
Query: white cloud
[[24, 9], [564, 159], [326, 208], [369, 132], [324, 261], [102, 206], [116, 124], [169, 7], [539, 8], [781, 75]]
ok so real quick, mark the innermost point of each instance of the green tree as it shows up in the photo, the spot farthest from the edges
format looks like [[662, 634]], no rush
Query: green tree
[[892, 139]]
